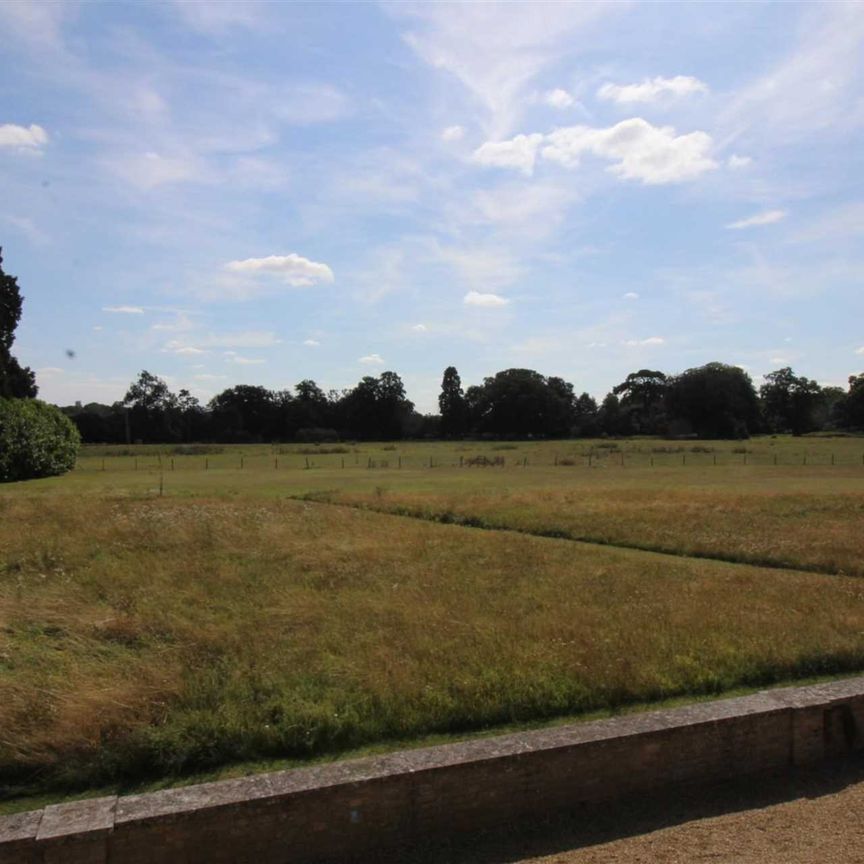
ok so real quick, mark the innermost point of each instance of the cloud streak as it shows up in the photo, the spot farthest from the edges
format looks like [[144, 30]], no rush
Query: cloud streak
[[768, 217], [297, 271], [652, 89]]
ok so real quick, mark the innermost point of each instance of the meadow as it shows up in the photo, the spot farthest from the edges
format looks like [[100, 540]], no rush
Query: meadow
[[165, 612]]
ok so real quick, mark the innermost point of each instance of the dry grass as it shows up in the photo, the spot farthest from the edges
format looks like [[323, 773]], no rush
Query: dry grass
[[153, 637], [806, 529]]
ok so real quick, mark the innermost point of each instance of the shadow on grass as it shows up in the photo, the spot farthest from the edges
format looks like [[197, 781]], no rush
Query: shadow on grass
[[591, 825]]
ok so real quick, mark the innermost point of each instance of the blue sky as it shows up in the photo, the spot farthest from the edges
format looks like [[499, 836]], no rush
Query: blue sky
[[257, 193]]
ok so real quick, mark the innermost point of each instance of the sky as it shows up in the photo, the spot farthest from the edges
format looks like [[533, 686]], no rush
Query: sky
[[257, 193]]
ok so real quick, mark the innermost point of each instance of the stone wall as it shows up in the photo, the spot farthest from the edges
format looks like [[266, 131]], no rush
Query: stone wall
[[350, 808]]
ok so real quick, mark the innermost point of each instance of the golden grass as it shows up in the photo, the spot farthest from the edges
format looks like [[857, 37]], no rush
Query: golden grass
[[152, 637], [805, 530]]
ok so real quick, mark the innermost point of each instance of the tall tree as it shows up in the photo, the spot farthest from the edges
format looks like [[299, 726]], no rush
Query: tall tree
[[451, 403], [713, 401], [522, 402], [16, 381], [642, 397], [790, 402]]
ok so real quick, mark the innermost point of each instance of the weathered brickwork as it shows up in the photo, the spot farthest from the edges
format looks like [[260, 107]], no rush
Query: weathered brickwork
[[346, 810]]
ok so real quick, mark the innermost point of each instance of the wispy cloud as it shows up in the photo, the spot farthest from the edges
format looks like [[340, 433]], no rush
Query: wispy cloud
[[767, 217], [124, 310], [371, 360], [650, 342], [495, 49], [558, 98]]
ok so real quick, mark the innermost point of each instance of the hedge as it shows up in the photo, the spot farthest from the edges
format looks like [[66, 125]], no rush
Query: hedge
[[36, 440]]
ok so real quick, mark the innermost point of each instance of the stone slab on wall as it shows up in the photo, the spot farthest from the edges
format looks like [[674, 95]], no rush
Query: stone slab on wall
[[348, 808]]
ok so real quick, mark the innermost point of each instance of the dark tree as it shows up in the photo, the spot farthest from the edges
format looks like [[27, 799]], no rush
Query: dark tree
[[150, 405], [853, 404], [522, 402], [610, 420], [376, 408], [713, 401], [585, 416], [246, 413], [790, 403], [16, 381], [642, 398], [452, 405]]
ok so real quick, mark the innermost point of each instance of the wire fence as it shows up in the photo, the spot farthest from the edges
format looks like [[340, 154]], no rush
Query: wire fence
[[415, 462]]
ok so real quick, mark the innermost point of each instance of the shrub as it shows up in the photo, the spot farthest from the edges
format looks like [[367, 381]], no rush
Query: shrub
[[36, 440]]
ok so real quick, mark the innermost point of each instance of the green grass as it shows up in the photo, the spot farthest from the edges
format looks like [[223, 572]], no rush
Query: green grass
[[148, 637]]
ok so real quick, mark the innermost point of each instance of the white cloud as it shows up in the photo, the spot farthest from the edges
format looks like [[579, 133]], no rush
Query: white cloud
[[652, 89], [292, 268], [124, 310], [631, 295], [50, 371], [206, 376], [475, 298], [453, 133], [652, 154], [372, 360], [645, 343], [642, 151], [311, 343], [519, 152], [860, 350], [736, 162], [768, 217], [558, 98], [27, 137], [419, 328]]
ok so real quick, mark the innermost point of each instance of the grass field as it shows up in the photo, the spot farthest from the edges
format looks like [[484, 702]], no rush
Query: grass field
[[156, 622]]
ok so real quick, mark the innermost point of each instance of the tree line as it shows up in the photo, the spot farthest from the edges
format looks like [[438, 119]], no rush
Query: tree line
[[711, 401]]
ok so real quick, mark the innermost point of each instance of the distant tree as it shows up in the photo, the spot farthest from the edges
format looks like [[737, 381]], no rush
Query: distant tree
[[585, 416], [610, 420], [522, 402], [16, 381], [853, 404], [713, 401], [246, 413], [377, 408], [642, 398], [829, 412], [790, 402], [452, 404], [149, 403]]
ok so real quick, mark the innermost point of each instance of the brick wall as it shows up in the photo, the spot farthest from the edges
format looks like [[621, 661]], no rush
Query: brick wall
[[349, 808]]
